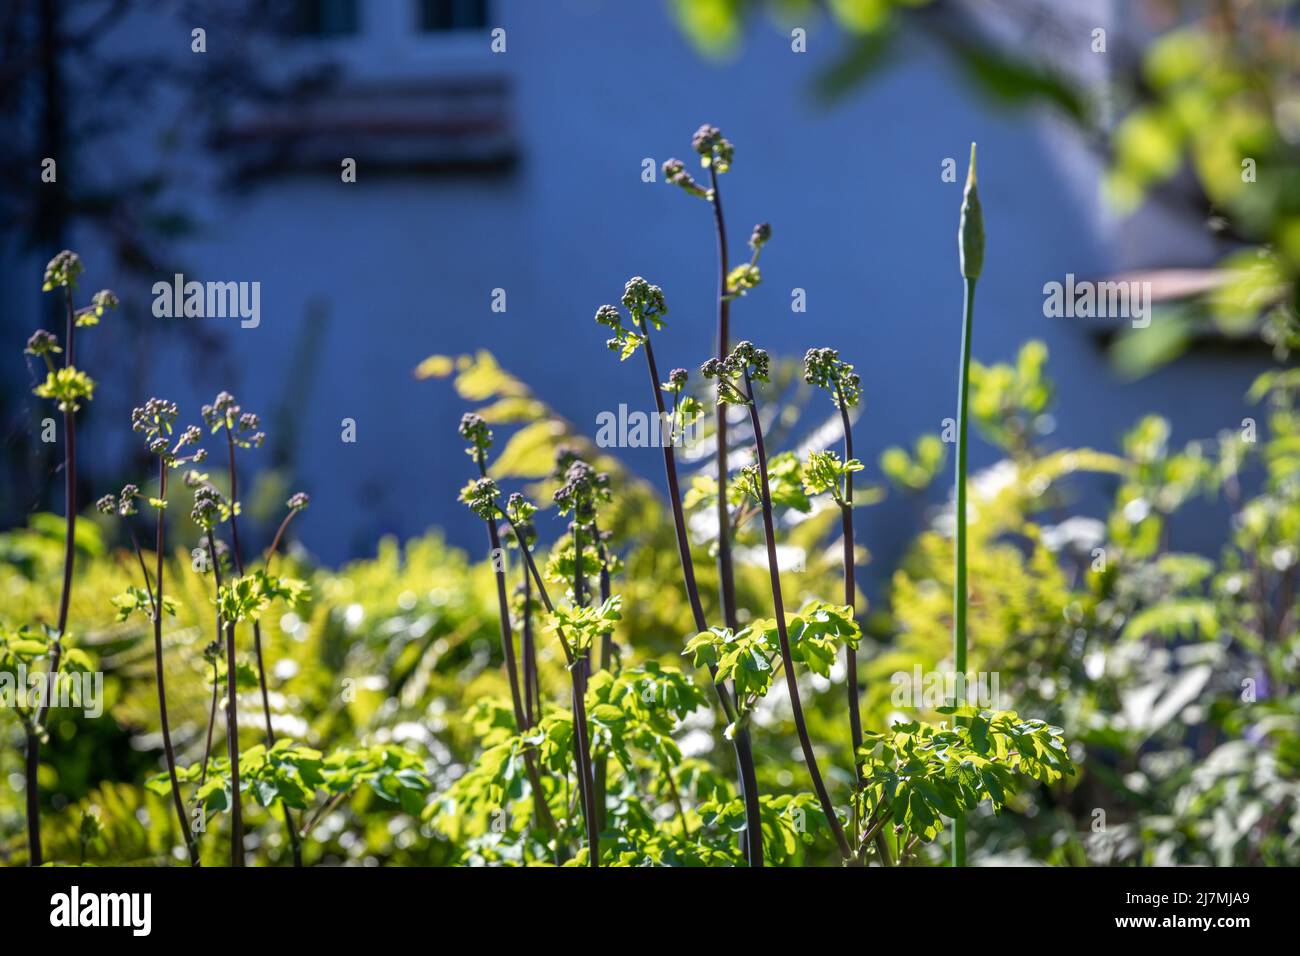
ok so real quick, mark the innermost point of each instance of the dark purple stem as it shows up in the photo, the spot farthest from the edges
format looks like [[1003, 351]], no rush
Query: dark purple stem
[[787, 660]]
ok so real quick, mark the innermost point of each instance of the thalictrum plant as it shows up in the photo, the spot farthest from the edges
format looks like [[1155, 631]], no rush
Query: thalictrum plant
[[243, 430], [825, 472], [68, 387], [479, 436], [156, 422], [716, 154], [482, 496], [735, 377], [646, 306]]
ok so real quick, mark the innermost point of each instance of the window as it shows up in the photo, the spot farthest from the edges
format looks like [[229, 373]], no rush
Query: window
[[440, 16], [321, 18]]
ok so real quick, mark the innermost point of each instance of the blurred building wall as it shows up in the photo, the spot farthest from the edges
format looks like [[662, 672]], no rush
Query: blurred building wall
[[522, 171]]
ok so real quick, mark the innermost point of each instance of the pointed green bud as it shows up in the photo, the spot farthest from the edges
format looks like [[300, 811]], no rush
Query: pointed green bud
[[970, 234]]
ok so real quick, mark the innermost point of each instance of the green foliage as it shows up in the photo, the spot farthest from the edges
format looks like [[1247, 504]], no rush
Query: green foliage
[[67, 386], [298, 775], [917, 773], [1007, 401], [915, 471], [582, 627], [751, 656], [791, 824], [135, 599], [245, 598], [824, 471]]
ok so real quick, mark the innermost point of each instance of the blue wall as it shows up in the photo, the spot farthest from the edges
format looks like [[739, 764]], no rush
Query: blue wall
[[861, 220]]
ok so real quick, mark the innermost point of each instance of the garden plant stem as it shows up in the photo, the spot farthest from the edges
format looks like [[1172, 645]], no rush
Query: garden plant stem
[[232, 750], [212, 710], [753, 843], [523, 718], [970, 249], [850, 585], [791, 682], [532, 693], [959, 577], [581, 668], [726, 572], [168, 752], [294, 842], [582, 749], [33, 754], [601, 760]]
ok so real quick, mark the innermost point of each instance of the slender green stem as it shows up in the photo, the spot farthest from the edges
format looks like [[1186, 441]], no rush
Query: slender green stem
[[959, 577], [232, 751]]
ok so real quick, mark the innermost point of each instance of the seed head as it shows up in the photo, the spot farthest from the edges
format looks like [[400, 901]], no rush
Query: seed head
[[565, 456], [480, 496], [154, 418], [519, 508], [970, 232], [823, 368], [675, 174], [608, 316], [104, 299], [62, 270], [106, 505], [207, 511], [583, 487], [475, 431], [99, 302], [222, 410], [298, 501], [225, 412], [126, 500], [746, 359], [713, 148], [42, 343], [644, 301]]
